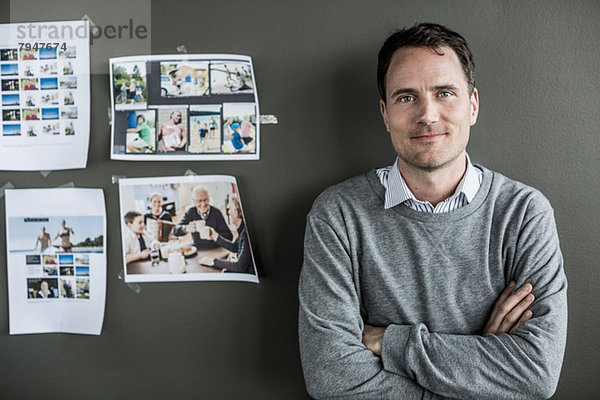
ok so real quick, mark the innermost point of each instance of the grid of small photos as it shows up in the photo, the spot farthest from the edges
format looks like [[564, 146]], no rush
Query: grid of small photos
[[39, 91], [185, 107], [58, 276]]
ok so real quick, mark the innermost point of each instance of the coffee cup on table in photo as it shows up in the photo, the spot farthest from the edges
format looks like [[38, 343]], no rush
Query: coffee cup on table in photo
[[164, 251], [200, 224], [202, 229]]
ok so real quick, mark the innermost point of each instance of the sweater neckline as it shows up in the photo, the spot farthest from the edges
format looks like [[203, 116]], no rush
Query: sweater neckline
[[478, 200]]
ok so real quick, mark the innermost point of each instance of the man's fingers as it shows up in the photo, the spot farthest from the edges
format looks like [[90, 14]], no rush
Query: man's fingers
[[513, 318], [526, 315], [504, 306], [503, 296]]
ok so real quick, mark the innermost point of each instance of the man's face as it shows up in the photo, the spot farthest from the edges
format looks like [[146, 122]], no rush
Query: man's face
[[44, 286], [428, 109], [202, 201], [137, 225]]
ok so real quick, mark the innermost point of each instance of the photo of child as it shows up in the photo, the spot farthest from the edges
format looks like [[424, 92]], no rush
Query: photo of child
[[239, 128], [141, 131], [205, 129]]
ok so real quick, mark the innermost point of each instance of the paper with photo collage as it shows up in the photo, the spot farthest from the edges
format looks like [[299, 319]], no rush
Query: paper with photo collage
[[45, 90], [184, 107], [56, 260]]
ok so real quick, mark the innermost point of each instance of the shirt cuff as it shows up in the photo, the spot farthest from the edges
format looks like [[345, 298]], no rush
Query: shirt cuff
[[393, 349]]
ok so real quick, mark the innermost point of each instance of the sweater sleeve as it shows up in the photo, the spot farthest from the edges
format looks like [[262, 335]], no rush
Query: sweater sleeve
[[335, 362], [220, 224], [523, 365], [179, 229], [242, 249]]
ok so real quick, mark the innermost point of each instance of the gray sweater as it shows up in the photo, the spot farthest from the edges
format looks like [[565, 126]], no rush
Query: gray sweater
[[432, 279]]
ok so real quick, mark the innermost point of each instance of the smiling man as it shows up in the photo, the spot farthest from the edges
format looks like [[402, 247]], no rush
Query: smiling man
[[433, 277]]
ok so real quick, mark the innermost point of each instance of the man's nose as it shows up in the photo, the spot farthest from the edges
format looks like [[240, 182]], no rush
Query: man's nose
[[428, 112]]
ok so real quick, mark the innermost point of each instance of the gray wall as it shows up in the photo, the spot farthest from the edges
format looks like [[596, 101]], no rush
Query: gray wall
[[538, 79]]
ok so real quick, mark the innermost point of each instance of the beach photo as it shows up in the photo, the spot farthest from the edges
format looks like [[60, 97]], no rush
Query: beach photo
[[192, 228], [47, 53], [68, 113], [239, 128], [56, 237], [10, 100], [11, 129], [68, 82], [69, 52], [205, 129], [231, 77], [50, 113], [129, 85], [9, 69], [183, 79], [172, 129], [49, 83], [82, 259]]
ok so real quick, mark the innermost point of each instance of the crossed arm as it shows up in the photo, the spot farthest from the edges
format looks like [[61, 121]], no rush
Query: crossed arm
[[509, 360], [509, 312]]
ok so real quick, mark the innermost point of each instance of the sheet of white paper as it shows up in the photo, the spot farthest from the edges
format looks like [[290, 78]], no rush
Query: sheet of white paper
[[56, 271], [173, 253], [45, 74], [184, 107]]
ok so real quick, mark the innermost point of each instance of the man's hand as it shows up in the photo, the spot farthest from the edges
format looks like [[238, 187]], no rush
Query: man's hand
[[510, 310], [191, 227], [372, 337]]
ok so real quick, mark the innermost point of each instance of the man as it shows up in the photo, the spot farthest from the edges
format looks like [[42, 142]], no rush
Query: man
[[408, 285], [137, 241], [202, 211], [43, 239]]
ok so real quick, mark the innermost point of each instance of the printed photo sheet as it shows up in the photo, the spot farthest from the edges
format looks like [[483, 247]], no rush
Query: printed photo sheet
[[188, 228], [45, 95], [56, 260], [184, 107]]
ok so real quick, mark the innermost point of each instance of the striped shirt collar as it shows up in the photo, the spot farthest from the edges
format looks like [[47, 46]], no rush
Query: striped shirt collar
[[397, 191]]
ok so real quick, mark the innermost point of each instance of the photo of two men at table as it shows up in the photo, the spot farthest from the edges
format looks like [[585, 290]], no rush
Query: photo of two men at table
[[184, 226]]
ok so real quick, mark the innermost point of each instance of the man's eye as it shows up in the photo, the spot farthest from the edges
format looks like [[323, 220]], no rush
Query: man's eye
[[445, 94], [405, 99]]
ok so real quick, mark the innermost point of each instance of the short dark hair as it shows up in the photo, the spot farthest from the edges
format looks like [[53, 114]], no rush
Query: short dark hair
[[433, 36], [130, 216]]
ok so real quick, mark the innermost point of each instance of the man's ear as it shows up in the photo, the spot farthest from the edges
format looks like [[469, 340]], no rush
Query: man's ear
[[474, 106], [382, 108]]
